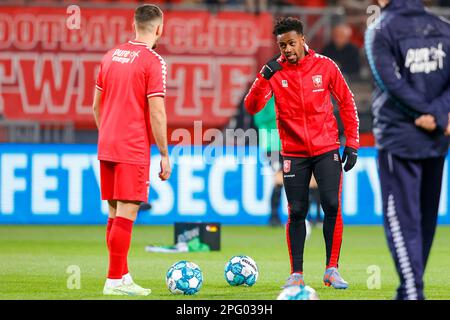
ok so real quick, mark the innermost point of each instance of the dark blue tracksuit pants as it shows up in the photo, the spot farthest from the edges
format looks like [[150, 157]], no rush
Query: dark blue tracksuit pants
[[410, 192]]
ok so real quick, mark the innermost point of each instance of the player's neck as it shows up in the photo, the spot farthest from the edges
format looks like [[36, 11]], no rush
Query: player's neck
[[148, 40], [302, 56]]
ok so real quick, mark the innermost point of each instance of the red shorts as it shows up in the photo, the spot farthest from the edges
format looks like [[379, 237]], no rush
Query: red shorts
[[123, 181]]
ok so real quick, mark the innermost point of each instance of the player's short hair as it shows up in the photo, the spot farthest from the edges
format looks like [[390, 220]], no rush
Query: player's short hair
[[288, 24], [146, 14]]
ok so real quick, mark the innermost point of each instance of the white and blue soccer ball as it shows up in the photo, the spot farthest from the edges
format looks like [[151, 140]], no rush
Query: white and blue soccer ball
[[241, 270], [298, 293], [184, 277]]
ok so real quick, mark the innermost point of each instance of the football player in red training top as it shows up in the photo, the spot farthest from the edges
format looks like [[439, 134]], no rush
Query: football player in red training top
[[128, 107], [302, 82]]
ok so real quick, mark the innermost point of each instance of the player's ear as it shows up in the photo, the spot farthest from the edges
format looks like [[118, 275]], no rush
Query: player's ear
[[302, 40], [159, 30]]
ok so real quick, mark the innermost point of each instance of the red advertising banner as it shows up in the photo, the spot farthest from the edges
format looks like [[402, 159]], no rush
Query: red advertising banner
[[48, 69]]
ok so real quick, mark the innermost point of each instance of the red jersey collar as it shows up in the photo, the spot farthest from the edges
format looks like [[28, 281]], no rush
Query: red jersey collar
[[137, 43]]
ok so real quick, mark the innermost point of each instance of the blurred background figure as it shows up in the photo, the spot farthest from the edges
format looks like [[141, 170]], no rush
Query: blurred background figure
[[341, 50], [256, 6], [145, 206], [315, 219], [269, 144]]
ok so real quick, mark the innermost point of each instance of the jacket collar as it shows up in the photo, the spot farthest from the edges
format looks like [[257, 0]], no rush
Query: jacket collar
[[137, 43]]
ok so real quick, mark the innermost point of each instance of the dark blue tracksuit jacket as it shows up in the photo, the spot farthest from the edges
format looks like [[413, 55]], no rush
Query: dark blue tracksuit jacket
[[411, 67]]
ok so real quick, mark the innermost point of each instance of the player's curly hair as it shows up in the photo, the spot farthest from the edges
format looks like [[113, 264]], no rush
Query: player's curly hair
[[288, 24]]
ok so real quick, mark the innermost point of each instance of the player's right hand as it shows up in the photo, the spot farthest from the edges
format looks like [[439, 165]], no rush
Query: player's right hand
[[166, 170], [447, 131], [270, 68]]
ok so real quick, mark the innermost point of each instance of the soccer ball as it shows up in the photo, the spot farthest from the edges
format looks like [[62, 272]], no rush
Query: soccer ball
[[298, 293], [241, 270], [184, 277]]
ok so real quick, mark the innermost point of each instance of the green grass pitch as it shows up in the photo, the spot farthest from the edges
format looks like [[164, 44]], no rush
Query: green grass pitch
[[34, 261]]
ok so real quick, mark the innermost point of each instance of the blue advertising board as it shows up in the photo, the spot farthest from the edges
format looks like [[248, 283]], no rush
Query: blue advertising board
[[59, 184]]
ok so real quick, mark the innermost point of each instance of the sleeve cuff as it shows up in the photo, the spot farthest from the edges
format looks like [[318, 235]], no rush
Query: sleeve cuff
[[98, 87], [156, 94], [442, 121], [352, 144]]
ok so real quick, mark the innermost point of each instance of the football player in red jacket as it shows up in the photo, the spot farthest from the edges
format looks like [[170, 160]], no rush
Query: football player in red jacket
[[303, 82]]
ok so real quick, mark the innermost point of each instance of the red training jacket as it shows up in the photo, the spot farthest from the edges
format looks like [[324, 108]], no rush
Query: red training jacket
[[305, 118]]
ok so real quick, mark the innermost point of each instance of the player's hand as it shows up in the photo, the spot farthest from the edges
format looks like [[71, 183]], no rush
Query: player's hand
[[447, 131], [166, 170], [426, 122], [349, 157], [270, 68]]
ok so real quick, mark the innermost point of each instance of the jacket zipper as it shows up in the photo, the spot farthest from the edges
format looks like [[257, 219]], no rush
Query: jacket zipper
[[308, 142]]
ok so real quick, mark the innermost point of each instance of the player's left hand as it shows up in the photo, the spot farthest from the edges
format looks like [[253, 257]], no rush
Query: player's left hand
[[351, 155], [447, 131], [166, 170], [426, 122]]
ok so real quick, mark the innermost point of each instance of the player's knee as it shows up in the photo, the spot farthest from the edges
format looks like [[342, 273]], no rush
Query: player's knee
[[298, 211], [330, 206]]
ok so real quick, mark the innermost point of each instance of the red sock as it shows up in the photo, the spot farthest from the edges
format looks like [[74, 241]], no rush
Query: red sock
[[108, 232], [118, 244]]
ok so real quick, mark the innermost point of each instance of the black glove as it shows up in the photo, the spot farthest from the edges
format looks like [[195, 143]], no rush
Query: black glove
[[351, 155], [269, 69]]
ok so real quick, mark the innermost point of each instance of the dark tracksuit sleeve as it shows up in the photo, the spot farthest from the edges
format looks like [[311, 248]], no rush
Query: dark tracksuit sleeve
[[387, 76], [258, 95], [442, 103]]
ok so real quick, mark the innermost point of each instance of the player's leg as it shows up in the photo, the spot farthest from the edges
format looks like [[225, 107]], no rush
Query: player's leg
[[107, 190], [119, 243], [120, 238], [400, 187], [131, 182], [328, 173], [297, 174], [430, 195], [112, 208]]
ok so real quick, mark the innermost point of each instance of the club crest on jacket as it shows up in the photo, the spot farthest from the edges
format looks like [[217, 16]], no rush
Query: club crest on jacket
[[317, 81], [287, 166]]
